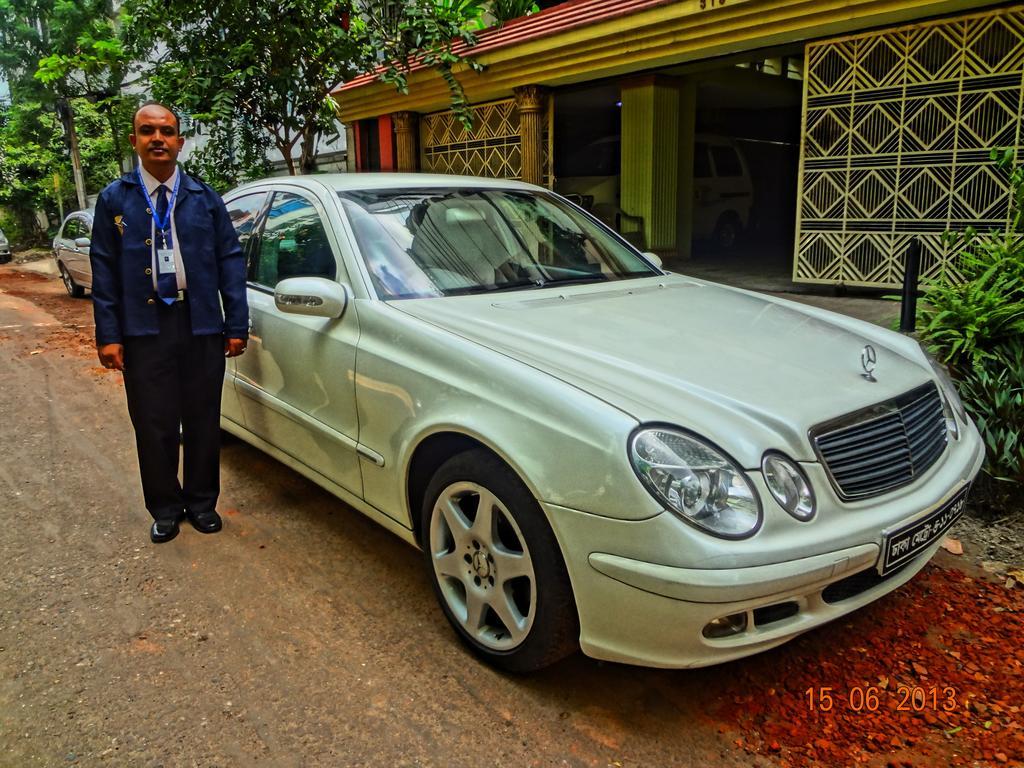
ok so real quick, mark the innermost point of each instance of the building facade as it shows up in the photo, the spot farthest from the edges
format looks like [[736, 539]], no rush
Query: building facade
[[824, 134]]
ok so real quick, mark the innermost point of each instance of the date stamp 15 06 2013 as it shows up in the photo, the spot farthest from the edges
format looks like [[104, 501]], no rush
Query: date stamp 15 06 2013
[[906, 698]]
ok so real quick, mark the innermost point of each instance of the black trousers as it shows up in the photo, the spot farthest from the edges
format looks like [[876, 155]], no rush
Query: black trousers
[[172, 379]]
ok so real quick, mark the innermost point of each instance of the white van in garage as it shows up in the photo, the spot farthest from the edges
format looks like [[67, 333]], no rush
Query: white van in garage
[[723, 190]]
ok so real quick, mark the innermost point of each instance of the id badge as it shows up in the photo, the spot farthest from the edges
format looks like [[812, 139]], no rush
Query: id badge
[[165, 261]]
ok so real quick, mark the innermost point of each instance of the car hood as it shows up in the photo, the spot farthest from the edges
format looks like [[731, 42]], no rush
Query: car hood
[[748, 371]]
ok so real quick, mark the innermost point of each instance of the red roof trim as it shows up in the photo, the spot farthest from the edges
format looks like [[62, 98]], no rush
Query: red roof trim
[[560, 18]]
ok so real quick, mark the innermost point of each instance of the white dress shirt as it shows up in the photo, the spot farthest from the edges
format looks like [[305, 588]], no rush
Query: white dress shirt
[[151, 186]]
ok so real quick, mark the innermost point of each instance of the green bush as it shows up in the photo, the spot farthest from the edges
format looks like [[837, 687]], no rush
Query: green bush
[[993, 393], [976, 328], [19, 233]]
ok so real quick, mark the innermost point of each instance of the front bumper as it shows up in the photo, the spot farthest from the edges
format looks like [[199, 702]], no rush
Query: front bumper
[[653, 614]]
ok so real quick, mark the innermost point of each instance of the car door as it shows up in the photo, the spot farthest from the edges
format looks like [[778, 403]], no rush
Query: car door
[[296, 381], [67, 252], [704, 213], [244, 211], [84, 265], [76, 257], [732, 183]]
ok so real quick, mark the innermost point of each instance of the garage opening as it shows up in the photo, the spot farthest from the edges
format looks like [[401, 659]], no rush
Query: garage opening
[[742, 125], [746, 163], [587, 149]]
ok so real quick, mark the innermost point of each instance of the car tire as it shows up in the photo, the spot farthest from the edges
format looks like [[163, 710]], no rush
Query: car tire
[[503, 586], [74, 290], [728, 231]]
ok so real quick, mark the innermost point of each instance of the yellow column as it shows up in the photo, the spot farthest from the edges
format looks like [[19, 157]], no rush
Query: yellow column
[[530, 102], [406, 132], [687, 193], [650, 159], [350, 148]]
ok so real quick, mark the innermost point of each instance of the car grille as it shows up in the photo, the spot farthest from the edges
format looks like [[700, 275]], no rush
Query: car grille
[[884, 446]]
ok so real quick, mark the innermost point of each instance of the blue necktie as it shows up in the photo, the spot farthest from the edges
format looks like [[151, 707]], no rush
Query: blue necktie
[[166, 284]]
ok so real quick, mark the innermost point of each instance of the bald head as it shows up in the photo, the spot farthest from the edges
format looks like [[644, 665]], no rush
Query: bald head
[[156, 139], [156, 104]]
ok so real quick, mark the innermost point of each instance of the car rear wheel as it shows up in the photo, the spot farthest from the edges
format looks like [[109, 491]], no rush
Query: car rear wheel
[[727, 232], [74, 290], [496, 568]]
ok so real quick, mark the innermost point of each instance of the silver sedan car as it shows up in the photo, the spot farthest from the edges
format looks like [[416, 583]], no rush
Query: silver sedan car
[[71, 252], [5, 248], [589, 451]]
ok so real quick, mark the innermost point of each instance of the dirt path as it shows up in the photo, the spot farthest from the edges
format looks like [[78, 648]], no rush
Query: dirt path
[[303, 635]]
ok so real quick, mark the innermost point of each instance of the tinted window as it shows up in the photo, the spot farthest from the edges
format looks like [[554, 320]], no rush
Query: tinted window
[[447, 242], [293, 244], [727, 163], [244, 214], [701, 163]]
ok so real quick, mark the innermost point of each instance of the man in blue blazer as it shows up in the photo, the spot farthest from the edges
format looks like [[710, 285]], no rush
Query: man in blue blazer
[[165, 260]]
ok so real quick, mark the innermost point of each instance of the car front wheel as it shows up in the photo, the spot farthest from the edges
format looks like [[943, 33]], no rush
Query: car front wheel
[[496, 568]]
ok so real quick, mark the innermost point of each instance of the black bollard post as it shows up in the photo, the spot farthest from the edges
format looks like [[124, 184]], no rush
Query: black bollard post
[[911, 269]]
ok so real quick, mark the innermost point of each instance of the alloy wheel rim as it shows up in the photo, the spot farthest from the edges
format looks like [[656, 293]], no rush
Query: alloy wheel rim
[[483, 566], [66, 277]]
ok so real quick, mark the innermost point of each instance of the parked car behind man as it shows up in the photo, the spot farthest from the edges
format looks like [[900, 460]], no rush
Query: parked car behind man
[[5, 248], [71, 252]]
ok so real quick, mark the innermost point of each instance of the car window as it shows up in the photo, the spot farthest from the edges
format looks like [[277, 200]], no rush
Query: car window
[[244, 214], [72, 229], [293, 243], [86, 227], [727, 162], [446, 242], [701, 162]]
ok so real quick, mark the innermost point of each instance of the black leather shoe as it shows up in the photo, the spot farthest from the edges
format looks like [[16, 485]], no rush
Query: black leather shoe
[[163, 530], [205, 522]]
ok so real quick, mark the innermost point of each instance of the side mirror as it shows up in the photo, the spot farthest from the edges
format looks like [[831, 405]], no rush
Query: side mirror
[[654, 258], [314, 296], [82, 242]]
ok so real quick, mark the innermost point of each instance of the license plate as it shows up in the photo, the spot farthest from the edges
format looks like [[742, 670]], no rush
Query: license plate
[[904, 544]]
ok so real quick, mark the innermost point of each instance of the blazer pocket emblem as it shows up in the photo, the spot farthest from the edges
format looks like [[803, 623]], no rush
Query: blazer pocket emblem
[[119, 223]]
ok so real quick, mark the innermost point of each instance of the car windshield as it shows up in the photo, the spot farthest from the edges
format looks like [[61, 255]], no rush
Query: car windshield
[[429, 242]]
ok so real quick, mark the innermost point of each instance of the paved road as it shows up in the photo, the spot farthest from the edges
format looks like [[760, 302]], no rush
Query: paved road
[[302, 635]]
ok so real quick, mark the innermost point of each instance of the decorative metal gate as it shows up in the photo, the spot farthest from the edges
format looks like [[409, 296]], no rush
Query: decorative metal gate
[[898, 126], [492, 148]]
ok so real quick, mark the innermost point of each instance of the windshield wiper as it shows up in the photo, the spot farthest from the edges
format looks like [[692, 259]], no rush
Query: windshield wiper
[[512, 286], [570, 280], [526, 282]]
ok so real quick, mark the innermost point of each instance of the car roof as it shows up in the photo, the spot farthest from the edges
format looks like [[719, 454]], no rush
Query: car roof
[[358, 182]]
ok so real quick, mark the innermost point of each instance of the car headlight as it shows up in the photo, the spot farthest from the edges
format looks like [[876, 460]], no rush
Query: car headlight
[[696, 481], [788, 485], [950, 397]]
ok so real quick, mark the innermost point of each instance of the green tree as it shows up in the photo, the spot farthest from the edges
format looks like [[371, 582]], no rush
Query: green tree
[[88, 60], [61, 59], [35, 169], [235, 152], [274, 67]]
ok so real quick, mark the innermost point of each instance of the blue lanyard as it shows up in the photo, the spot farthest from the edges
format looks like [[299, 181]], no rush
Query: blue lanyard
[[164, 225]]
